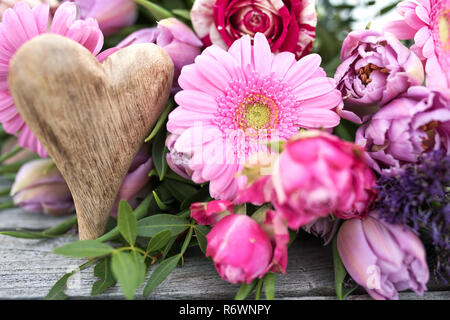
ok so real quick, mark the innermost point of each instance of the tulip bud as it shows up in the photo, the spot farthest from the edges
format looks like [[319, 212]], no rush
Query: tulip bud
[[324, 228], [40, 187], [383, 258], [240, 249], [112, 15], [276, 228], [209, 213]]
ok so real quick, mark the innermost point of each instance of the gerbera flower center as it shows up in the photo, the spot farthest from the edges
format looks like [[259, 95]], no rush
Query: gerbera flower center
[[365, 72], [444, 32], [257, 115]]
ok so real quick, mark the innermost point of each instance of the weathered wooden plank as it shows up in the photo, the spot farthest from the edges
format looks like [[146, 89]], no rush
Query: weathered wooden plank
[[28, 269]]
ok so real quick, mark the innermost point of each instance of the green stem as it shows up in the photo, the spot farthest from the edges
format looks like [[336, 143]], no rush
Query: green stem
[[187, 240], [158, 12], [10, 154], [5, 192], [139, 212], [7, 205], [61, 228]]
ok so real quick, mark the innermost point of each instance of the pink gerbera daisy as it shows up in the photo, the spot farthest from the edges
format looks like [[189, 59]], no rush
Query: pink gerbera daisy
[[234, 102], [427, 22], [19, 25]]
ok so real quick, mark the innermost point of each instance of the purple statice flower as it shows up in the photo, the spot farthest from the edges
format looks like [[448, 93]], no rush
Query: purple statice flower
[[418, 195]]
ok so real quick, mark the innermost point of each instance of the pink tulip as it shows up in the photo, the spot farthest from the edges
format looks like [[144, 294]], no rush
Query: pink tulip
[[316, 174], [112, 15], [383, 258], [240, 249], [276, 228], [209, 213]]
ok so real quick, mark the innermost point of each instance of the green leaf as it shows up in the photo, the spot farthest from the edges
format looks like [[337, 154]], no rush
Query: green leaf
[[200, 234], [127, 272], [103, 271], [150, 226], [258, 289], [23, 234], [57, 291], [346, 130], [159, 240], [161, 121], [160, 273], [159, 151], [127, 222], [270, 280], [180, 190], [159, 202], [245, 290], [201, 195], [141, 267], [339, 270], [187, 240], [84, 249], [157, 11]]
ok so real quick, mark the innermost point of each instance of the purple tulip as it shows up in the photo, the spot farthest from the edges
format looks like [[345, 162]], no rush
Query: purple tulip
[[40, 187], [112, 15], [417, 122], [173, 36], [376, 67], [240, 249], [383, 258]]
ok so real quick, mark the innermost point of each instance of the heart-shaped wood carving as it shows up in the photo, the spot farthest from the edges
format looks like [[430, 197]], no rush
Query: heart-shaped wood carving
[[91, 117]]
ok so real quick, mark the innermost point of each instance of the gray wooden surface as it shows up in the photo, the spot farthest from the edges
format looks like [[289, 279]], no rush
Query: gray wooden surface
[[28, 269]]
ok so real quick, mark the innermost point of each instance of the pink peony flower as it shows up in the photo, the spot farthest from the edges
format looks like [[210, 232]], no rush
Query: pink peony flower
[[376, 67], [240, 249], [383, 258], [112, 15], [315, 175], [416, 122], [427, 22], [19, 25], [176, 38], [209, 213], [234, 102], [289, 25]]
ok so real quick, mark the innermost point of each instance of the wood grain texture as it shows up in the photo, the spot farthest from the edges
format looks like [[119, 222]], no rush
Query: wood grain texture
[[28, 269], [92, 118]]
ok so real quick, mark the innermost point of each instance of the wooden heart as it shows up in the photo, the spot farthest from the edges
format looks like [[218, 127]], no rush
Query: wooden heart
[[92, 118]]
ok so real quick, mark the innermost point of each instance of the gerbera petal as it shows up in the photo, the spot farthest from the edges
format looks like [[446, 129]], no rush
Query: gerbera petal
[[314, 87], [241, 50], [303, 69], [327, 101], [196, 101], [318, 118], [282, 63], [262, 54]]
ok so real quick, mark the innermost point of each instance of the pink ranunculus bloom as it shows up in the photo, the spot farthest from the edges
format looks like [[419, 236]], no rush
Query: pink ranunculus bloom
[[209, 213], [428, 23], [383, 258], [176, 38], [376, 67], [112, 15], [235, 102], [276, 228], [289, 25], [316, 174], [6, 4], [21, 24], [416, 122], [240, 249]]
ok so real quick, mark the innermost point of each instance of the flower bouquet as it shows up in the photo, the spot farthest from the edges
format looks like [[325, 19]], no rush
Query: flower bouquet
[[260, 139]]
